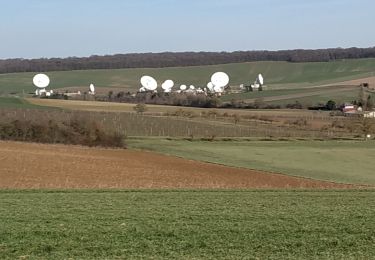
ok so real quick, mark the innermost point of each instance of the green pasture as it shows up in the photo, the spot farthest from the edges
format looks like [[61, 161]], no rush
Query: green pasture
[[288, 75], [337, 161], [187, 224], [339, 97], [11, 102]]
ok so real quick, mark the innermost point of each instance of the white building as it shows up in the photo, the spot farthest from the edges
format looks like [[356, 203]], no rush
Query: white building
[[369, 114]]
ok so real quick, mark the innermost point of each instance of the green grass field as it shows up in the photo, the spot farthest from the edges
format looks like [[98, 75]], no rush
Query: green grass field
[[288, 75], [337, 161], [339, 97], [10, 102], [187, 224], [310, 95]]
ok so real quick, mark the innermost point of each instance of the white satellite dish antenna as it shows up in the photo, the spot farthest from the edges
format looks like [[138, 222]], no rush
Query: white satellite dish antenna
[[167, 85], [218, 89], [183, 87], [220, 79], [149, 83], [260, 79], [210, 86], [199, 90], [41, 80], [192, 87], [92, 88], [41, 92]]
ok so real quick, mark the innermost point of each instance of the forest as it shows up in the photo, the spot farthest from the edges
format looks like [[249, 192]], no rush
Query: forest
[[179, 59]]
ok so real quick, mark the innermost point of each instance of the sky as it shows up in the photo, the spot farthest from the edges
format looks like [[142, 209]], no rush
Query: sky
[[66, 28]]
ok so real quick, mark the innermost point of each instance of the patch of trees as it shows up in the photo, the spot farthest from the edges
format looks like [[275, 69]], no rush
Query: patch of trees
[[171, 59], [74, 131], [329, 106], [172, 99]]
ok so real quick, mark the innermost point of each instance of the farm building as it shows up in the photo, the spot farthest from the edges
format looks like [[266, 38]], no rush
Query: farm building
[[369, 114], [355, 113], [349, 108]]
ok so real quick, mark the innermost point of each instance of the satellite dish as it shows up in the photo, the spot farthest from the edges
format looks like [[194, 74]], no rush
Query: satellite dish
[[183, 87], [149, 83], [210, 86], [220, 79], [218, 89], [167, 85], [48, 94], [192, 87], [199, 90], [92, 88], [41, 80], [260, 79]]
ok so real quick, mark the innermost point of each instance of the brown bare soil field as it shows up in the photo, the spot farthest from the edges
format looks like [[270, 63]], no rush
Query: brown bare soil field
[[34, 166]]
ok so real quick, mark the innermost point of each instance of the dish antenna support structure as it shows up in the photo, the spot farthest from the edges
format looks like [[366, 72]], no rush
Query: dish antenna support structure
[[92, 89]]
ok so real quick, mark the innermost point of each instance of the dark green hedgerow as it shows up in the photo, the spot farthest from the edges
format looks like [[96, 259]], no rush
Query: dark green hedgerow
[[78, 131]]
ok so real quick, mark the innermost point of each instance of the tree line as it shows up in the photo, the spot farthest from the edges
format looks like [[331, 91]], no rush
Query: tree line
[[171, 59]]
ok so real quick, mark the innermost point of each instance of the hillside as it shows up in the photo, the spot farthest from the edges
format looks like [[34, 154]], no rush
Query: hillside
[[275, 73]]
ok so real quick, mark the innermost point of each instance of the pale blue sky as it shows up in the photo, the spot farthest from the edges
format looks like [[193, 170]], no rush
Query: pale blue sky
[[61, 28]]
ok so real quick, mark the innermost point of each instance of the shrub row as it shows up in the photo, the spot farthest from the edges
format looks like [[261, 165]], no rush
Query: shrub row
[[75, 131]]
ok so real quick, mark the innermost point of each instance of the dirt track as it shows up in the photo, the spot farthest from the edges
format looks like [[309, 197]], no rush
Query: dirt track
[[357, 82], [25, 165]]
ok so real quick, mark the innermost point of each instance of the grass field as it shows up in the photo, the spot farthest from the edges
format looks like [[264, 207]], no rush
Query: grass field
[[277, 75], [340, 97], [305, 96], [187, 225], [10, 102], [337, 161]]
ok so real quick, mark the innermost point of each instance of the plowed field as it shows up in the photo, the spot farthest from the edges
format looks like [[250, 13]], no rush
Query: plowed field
[[27, 165]]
